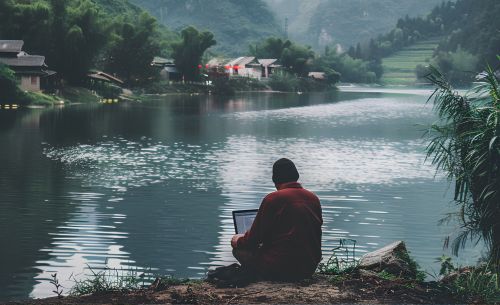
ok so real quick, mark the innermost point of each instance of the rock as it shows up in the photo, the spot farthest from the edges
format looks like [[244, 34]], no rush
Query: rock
[[393, 259]]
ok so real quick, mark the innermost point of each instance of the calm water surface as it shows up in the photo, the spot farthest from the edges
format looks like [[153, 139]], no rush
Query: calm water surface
[[152, 185]]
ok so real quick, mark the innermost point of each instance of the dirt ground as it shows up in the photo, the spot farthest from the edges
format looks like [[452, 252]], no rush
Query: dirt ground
[[319, 290]]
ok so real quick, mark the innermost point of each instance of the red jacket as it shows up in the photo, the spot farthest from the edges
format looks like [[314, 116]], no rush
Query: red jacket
[[286, 233]]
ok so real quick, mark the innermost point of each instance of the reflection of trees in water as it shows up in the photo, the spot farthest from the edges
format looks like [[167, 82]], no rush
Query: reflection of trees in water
[[30, 188]]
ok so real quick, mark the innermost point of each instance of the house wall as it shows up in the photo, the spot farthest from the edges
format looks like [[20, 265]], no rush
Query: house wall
[[249, 72], [30, 83]]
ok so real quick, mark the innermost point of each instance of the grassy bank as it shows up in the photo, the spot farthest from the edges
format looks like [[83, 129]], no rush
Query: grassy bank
[[336, 281], [321, 289]]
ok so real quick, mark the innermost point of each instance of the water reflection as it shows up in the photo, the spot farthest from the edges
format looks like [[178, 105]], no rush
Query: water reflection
[[153, 185]]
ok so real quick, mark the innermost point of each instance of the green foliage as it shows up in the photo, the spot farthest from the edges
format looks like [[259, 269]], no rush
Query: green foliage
[[387, 276], [283, 81], [109, 280], [133, 48], [188, 52], [413, 266], [477, 284], [350, 69], [446, 265], [468, 30], [294, 57], [10, 93], [246, 84], [459, 67], [297, 59], [74, 35], [465, 145], [272, 47], [342, 261]]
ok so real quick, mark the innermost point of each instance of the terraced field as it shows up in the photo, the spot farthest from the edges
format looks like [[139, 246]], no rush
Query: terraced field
[[399, 69]]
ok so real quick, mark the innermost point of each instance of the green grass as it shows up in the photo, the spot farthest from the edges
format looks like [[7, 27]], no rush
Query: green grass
[[79, 95], [399, 68], [119, 280], [40, 99]]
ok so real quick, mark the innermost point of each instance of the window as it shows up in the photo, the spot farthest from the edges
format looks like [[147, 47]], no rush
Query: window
[[34, 80]]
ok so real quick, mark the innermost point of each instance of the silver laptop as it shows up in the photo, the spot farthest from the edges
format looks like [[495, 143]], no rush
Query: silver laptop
[[243, 220]]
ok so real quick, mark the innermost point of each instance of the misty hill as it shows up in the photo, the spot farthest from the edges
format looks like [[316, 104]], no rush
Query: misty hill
[[347, 22], [235, 23]]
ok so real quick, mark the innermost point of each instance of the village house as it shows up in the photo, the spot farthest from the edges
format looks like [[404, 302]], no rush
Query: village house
[[168, 70], [246, 66], [31, 71]]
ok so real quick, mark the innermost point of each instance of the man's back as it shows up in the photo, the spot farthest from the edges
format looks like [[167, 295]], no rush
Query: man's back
[[286, 233]]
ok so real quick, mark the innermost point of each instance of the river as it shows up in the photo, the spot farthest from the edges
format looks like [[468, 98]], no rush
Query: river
[[151, 186]]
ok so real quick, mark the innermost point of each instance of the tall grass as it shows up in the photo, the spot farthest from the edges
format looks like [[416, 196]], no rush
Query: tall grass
[[465, 144], [110, 280]]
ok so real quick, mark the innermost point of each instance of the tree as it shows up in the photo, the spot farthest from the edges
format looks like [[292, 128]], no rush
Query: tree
[[465, 144], [84, 35], [297, 58], [272, 47], [188, 52], [133, 48]]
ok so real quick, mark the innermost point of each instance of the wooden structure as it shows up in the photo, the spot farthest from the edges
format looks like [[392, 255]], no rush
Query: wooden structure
[[30, 70]]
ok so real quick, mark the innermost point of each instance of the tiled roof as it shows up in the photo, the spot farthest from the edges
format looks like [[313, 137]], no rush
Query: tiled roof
[[11, 46], [241, 61], [267, 62], [24, 61]]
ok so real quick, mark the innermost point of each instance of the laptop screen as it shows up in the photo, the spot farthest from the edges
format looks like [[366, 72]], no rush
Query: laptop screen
[[243, 220]]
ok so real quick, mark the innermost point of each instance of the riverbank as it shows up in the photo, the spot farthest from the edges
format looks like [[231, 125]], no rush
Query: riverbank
[[385, 276], [322, 289]]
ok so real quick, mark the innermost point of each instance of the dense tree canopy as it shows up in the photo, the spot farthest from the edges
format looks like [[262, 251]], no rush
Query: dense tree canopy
[[70, 34], [74, 35], [133, 48], [188, 52]]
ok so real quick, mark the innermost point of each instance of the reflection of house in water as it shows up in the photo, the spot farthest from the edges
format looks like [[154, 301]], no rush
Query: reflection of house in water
[[246, 66], [168, 70], [31, 71]]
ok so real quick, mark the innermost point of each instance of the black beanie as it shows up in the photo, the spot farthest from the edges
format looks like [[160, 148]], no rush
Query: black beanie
[[284, 171]]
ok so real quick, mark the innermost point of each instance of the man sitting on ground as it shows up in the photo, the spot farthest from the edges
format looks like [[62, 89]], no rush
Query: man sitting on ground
[[284, 242]]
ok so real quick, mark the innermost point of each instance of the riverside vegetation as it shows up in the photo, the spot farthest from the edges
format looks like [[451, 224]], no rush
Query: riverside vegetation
[[120, 38], [396, 279]]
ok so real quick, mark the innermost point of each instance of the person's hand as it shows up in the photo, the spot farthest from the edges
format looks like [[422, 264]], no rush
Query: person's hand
[[234, 240]]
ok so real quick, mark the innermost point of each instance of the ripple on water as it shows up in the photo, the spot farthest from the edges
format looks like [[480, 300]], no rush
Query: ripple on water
[[346, 113]]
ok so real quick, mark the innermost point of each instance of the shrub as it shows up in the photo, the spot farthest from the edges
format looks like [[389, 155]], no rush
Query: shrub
[[283, 81], [10, 92]]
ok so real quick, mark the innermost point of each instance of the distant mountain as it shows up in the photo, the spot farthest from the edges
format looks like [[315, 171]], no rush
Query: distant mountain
[[346, 22], [235, 23]]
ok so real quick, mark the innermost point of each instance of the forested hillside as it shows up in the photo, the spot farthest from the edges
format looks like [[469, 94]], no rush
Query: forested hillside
[[347, 22], [235, 23], [78, 35], [468, 33]]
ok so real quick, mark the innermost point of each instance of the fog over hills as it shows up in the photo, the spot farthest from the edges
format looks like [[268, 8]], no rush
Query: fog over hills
[[347, 22], [238, 23]]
